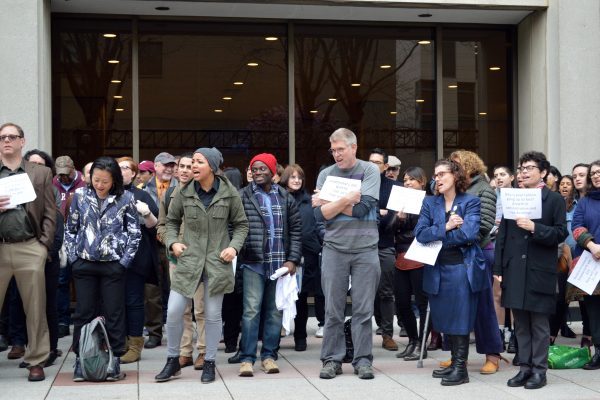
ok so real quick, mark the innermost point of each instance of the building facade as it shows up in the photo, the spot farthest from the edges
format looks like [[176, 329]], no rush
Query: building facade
[[419, 79]]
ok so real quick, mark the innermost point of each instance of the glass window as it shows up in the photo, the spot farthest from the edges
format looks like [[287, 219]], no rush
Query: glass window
[[378, 82], [477, 93], [91, 88], [213, 84]]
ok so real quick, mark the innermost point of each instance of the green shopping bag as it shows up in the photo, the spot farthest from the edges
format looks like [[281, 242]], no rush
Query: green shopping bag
[[567, 357]]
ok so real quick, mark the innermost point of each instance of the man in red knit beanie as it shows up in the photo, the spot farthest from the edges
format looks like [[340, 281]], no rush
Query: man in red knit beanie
[[273, 241]]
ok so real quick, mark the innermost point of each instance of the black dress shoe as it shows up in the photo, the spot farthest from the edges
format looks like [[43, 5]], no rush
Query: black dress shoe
[[234, 359], [170, 370], [512, 344], [52, 356], [300, 345], [519, 379], [208, 373], [536, 381], [594, 363], [152, 342]]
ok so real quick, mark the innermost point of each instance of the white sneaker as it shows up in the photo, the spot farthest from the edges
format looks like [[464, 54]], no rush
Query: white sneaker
[[319, 332]]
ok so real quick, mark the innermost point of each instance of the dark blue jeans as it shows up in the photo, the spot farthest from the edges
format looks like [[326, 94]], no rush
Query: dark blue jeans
[[259, 293], [134, 302]]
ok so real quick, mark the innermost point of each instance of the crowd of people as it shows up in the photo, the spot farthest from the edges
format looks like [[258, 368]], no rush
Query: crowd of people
[[179, 240]]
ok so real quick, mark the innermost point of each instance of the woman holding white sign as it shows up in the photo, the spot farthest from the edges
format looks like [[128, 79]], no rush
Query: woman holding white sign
[[586, 231], [408, 276], [453, 217], [525, 264]]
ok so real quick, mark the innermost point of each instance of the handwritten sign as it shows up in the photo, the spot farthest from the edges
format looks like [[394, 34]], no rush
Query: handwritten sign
[[335, 188], [406, 199], [586, 273], [19, 188], [524, 203], [425, 253]]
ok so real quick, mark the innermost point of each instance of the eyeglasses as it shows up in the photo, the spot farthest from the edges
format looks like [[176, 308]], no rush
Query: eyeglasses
[[393, 169], [527, 168], [125, 167], [441, 174], [11, 138], [336, 151], [595, 173]]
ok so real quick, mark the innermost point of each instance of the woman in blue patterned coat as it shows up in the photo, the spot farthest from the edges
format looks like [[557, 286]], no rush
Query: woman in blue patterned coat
[[102, 237]]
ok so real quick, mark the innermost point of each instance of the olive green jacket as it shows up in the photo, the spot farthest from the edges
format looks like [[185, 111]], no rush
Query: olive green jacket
[[206, 234]]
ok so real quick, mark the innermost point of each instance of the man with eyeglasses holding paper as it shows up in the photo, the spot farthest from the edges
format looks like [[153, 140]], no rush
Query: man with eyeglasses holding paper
[[26, 235], [349, 252]]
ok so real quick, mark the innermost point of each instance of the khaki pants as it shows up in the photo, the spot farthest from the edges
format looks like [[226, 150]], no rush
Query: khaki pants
[[26, 261], [186, 347]]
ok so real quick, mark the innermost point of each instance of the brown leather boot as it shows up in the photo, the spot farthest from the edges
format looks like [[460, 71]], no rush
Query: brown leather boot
[[389, 343]]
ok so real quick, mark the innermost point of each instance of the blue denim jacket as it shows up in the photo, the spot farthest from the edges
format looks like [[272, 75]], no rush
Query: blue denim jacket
[[110, 232]]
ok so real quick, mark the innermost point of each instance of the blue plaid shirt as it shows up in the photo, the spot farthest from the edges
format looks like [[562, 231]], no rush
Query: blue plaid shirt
[[272, 214]]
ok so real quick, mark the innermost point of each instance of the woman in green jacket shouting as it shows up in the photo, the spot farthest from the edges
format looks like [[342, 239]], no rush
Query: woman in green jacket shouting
[[208, 205]]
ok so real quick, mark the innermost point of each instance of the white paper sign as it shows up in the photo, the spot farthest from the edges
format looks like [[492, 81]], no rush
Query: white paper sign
[[19, 188], [425, 253], [335, 188], [586, 273], [525, 203], [406, 199]]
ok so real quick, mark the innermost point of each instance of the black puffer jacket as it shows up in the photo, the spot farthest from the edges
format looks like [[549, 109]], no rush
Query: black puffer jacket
[[255, 244]]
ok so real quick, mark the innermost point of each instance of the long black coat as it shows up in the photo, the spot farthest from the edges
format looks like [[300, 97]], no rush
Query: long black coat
[[527, 262]]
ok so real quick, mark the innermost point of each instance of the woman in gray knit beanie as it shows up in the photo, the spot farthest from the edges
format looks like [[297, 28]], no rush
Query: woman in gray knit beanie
[[212, 155]]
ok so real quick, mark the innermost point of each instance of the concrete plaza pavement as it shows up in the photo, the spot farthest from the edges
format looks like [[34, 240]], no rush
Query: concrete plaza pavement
[[299, 379]]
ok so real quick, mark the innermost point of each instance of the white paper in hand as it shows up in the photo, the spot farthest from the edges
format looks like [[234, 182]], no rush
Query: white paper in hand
[[19, 188], [586, 273], [524, 203], [335, 188], [406, 199], [424, 253]]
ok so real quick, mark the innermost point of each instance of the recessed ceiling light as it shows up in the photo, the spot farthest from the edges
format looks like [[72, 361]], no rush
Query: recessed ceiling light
[[427, 15], [393, 112], [494, 68], [482, 113], [238, 83], [355, 84], [113, 61], [271, 38], [115, 81], [162, 8], [119, 109], [118, 97], [110, 35], [424, 42], [218, 110], [252, 64], [420, 101], [452, 86], [313, 111], [227, 98], [332, 99], [385, 66]]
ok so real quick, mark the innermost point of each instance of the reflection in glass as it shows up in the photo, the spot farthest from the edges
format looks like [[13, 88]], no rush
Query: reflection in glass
[[91, 87], [477, 109], [197, 88], [378, 82]]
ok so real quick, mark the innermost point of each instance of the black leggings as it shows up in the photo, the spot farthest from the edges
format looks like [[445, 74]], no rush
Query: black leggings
[[407, 283]]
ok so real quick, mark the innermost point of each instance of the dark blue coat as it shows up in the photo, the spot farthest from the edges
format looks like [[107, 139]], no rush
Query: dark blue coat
[[432, 227]]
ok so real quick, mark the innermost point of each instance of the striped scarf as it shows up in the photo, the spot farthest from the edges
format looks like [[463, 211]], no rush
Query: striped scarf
[[272, 214]]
